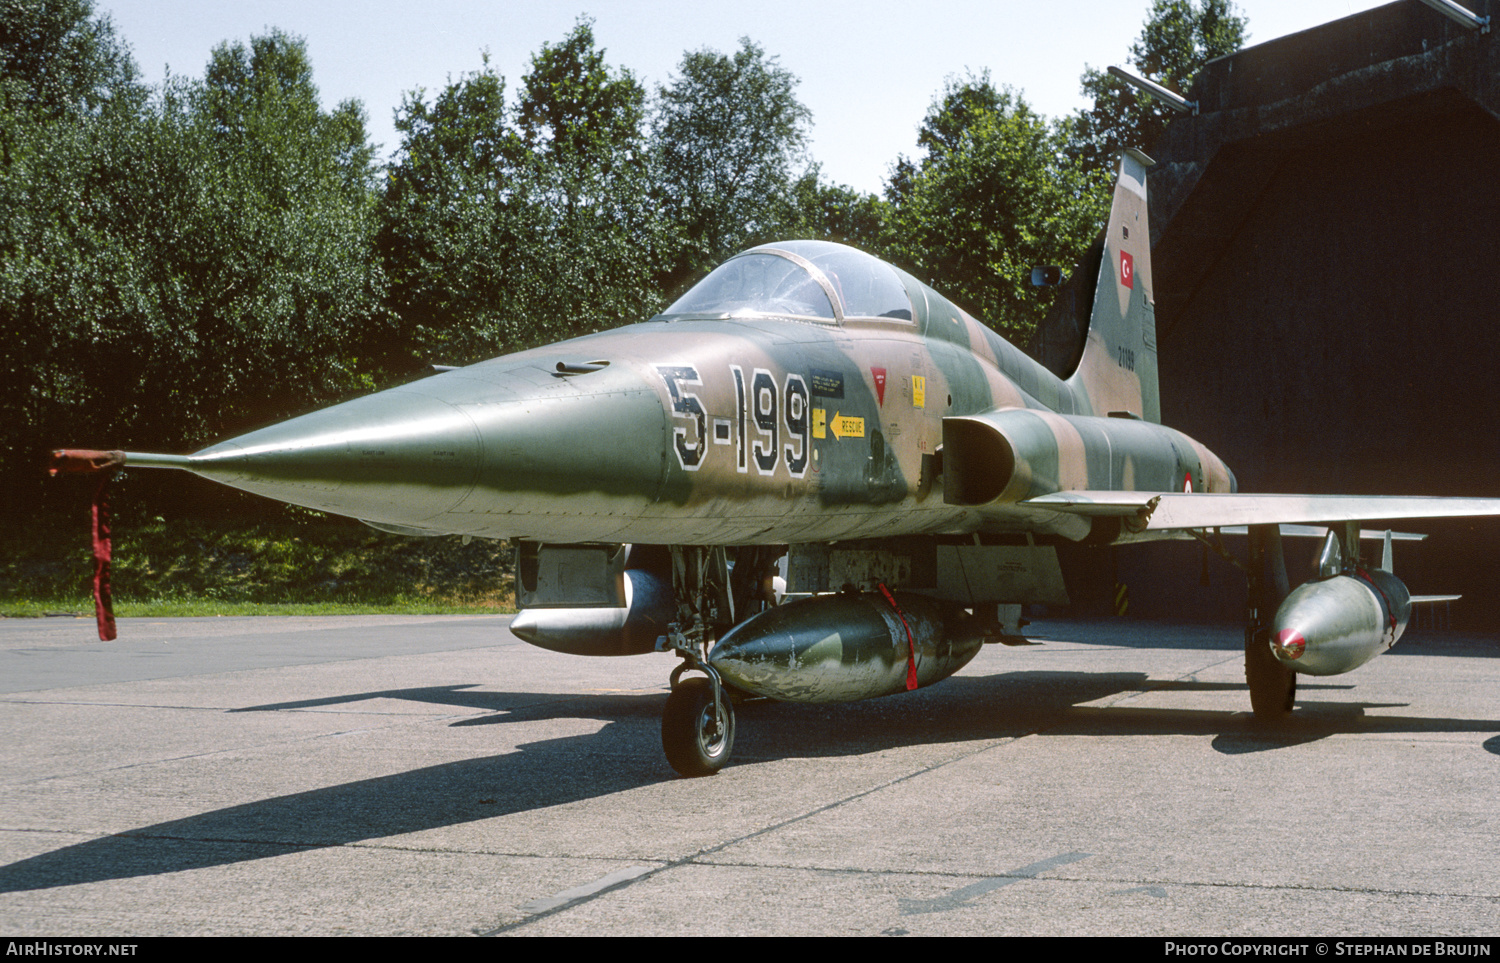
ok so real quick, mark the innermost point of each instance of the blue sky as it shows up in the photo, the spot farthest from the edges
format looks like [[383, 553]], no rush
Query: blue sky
[[869, 70]]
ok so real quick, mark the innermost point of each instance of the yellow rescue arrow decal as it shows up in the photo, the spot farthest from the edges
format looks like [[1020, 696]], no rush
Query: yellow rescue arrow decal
[[846, 426]]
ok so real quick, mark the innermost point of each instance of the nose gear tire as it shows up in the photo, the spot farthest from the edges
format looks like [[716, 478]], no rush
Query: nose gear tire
[[698, 735]]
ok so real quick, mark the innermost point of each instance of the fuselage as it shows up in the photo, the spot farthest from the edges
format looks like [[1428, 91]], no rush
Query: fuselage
[[762, 423]]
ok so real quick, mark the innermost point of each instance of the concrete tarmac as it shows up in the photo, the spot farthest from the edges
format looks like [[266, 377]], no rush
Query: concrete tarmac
[[434, 775]]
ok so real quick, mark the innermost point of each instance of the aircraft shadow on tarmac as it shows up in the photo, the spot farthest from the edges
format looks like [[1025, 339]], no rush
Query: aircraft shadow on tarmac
[[625, 755], [459, 696]]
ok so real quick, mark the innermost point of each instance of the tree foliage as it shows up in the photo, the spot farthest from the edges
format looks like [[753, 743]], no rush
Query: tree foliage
[[502, 229], [575, 111], [1178, 38], [176, 265], [180, 261], [67, 87], [448, 238], [837, 212], [58, 59], [598, 241], [268, 248], [730, 133], [992, 197]]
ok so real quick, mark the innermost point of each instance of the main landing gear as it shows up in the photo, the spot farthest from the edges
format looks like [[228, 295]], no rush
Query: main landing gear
[[1273, 686]]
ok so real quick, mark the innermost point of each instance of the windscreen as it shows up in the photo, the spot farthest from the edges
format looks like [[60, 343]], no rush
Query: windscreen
[[866, 285], [756, 284]]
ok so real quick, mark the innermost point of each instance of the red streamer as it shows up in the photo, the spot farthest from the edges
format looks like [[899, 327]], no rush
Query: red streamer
[[104, 603], [105, 464]]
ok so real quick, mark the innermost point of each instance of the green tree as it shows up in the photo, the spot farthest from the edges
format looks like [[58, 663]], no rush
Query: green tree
[[577, 112], [66, 80], [267, 257], [992, 197], [837, 212], [730, 133], [451, 220], [598, 240], [1178, 38], [58, 59], [501, 230], [172, 272]]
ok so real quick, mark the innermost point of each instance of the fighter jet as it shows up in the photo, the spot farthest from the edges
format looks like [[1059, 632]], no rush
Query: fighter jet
[[813, 478]]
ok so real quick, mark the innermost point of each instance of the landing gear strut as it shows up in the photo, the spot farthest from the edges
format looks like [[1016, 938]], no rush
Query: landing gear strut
[[1273, 686], [697, 728]]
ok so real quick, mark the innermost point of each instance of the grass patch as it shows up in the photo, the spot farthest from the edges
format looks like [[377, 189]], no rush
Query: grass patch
[[173, 608], [302, 564]]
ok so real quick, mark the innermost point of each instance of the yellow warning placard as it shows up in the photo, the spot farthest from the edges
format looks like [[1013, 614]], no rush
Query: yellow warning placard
[[848, 426], [918, 391], [820, 423]]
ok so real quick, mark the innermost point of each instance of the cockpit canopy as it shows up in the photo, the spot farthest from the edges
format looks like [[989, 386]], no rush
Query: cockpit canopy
[[805, 280]]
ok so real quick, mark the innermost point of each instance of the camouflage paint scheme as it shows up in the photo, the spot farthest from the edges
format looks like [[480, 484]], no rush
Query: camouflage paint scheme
[[752, 429], [809, 401]]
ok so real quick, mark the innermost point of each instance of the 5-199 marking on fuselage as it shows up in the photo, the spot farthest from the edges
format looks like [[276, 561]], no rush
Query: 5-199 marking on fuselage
[[763, 411]]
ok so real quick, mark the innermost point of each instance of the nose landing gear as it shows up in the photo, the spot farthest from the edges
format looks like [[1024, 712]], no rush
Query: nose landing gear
[[697, 728]]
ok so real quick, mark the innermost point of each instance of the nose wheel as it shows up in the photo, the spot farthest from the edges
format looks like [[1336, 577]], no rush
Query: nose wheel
[[697, 728]]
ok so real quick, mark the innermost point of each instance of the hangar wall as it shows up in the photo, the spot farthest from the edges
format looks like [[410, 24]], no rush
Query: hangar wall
[[1326, 249]]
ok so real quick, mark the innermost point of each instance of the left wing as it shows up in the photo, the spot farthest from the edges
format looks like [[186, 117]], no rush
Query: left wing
[[1144, 512]]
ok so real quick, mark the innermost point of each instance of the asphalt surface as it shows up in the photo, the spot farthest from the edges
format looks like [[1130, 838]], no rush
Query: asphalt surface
[[434, 775]]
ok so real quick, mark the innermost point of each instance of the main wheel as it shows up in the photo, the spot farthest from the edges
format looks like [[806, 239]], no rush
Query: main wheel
[[1273, 687], [696, 732]]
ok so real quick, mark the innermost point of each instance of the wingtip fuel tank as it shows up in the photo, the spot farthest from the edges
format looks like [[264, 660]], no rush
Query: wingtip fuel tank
[[1337, 624]]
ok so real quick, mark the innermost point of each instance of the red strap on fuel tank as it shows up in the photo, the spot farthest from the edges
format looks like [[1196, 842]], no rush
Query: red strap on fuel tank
[[1385, 603], [911, 643]]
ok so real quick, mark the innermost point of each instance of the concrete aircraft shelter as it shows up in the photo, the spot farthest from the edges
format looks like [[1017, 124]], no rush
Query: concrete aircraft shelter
[[1326, 249]]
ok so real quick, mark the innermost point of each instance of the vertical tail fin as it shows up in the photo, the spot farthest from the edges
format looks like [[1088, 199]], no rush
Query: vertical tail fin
[[1117, 373]]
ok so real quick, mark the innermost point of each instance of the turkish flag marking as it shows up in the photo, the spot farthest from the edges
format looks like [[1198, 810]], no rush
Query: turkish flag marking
[[1127, 269], [879, 374]]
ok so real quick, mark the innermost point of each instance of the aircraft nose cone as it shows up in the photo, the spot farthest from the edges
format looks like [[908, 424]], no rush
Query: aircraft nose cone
[[396, 456], [504, 450]]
